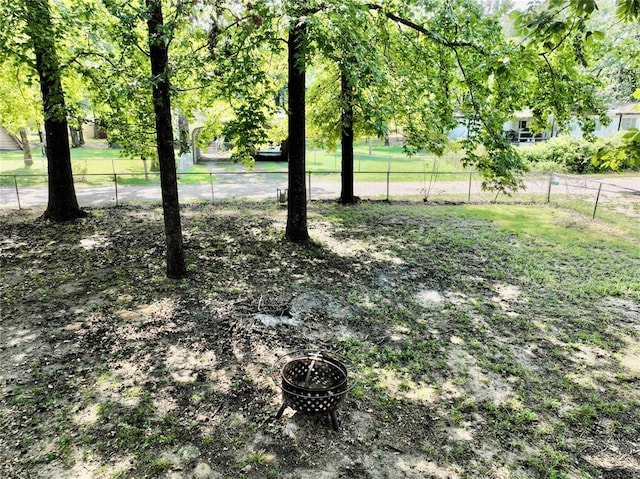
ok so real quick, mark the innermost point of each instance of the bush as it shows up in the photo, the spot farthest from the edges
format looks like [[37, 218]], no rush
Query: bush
[[569, 154], [621, 153]]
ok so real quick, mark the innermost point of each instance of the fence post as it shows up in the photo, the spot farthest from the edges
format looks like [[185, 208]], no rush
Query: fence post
[[211, 181], [309, 198], [435, 179], [469, 195], [388, 175], [424, 180], [549, 189], [115, 181], [15, 181], [597, 199]]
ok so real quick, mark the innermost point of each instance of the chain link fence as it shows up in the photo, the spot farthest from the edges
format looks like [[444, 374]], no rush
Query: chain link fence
[[608, 197]]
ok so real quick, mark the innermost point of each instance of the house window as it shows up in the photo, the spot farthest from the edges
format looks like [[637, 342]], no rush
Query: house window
[[628, 122]]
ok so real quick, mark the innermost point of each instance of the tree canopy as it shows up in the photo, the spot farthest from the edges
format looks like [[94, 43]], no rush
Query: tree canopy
[[420, 67]]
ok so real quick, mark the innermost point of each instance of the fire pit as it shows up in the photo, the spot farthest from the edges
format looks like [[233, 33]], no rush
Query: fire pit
[[313, 381]]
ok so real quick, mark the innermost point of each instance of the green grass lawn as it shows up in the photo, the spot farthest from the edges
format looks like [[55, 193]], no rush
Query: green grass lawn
[[96, 165], [386, 158], [85, 163]]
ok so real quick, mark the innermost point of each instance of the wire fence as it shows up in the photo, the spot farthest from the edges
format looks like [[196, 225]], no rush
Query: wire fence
[[590, 196], [606, 199]]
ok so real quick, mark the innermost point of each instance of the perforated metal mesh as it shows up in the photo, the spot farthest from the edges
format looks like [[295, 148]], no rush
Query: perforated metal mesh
[[312, 381], [314, 384]]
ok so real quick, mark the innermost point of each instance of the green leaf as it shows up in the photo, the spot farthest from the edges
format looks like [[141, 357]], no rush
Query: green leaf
[[584, 6]]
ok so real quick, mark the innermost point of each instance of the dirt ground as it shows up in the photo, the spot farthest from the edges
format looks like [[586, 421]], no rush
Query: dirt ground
[[466, 369]]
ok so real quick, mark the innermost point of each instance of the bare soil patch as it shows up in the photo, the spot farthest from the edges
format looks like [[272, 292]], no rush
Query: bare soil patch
[[473, 364]]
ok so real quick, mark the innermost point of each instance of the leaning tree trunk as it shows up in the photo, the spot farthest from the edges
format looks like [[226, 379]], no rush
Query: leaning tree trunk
[[63, 204], [346, 196], [297, 205], [159, 55]]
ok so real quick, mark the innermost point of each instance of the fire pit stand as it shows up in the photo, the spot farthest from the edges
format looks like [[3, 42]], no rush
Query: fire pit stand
[[313, 381]]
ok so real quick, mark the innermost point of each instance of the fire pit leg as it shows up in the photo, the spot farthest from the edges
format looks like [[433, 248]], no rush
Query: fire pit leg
[[334, 421], [281, 410]]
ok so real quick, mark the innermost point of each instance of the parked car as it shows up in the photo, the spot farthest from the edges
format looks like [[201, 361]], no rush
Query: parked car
[[271, 153]]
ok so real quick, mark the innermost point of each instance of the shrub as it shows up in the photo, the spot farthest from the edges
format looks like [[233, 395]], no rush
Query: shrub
[[621, 153], [572, 155]]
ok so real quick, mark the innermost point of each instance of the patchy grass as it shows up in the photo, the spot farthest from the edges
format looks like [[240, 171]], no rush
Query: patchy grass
[[491, 341]]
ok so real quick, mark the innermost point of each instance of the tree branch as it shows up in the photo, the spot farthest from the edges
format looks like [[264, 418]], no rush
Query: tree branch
[[560, 42], [474, 102], [419, 28]]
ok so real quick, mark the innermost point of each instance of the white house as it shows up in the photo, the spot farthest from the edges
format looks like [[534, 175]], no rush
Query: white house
[[518, 129], [623, 116]]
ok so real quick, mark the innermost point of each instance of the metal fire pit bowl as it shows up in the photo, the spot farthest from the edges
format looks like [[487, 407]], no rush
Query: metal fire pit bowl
[[313, 381]]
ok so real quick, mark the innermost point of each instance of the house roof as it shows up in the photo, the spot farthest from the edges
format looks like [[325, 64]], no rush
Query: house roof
[[7, 141], [624, 109], [612, 109]]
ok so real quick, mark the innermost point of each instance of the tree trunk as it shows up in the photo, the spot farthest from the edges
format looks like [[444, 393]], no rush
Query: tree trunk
[[183, 133], [75, 138], [159, 55], [81, 131], [63, 204], [346, 196], [297, 204], [26, 147]]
